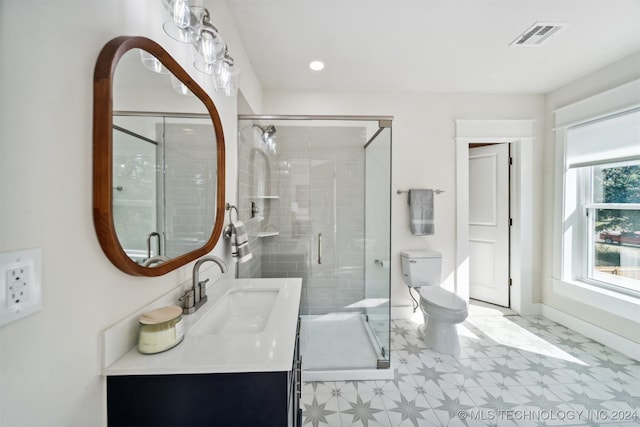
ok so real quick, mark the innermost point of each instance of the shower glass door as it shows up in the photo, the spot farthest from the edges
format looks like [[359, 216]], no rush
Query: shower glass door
[[378, 238], [326, 223]]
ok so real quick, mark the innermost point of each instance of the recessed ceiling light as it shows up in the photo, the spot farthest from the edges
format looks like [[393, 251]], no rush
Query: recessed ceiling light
[[316, 65]]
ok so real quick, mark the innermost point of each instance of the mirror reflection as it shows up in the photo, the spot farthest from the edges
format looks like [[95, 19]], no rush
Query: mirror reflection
[[164, 171], [164, 162]]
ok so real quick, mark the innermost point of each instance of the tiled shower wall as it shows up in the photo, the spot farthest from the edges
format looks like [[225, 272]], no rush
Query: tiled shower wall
[[189, 176], [164, 188], [316, 181], [249, 146]]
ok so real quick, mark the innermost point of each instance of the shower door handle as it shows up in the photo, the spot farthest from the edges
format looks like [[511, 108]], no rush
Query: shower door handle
[[319, 248]]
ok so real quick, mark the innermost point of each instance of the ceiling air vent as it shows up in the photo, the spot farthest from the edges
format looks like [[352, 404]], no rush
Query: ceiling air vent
[[537, 33]]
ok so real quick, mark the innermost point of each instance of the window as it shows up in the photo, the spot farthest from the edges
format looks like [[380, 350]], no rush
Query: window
[[602, 203], [613, 224]]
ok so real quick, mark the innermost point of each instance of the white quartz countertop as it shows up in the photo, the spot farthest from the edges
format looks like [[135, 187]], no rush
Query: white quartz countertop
[[269, 350]]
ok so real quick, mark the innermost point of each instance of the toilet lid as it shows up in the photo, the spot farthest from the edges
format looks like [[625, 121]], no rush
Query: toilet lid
[[421, 254], [442, 297]]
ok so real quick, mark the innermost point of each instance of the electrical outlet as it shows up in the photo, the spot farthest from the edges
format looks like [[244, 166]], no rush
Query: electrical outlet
[[17, 285], [20, 279]]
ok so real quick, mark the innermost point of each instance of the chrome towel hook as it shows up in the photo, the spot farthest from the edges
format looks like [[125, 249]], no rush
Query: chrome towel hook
[[226, 234], [231, 207]]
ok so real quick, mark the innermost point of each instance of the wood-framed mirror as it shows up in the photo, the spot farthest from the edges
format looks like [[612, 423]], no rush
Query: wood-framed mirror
[[158, 160]]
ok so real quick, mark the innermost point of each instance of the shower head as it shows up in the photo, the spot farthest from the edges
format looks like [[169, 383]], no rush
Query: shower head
[[267, 133]]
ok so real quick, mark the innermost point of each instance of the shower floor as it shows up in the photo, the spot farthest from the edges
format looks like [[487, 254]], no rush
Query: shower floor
[[336, 341]]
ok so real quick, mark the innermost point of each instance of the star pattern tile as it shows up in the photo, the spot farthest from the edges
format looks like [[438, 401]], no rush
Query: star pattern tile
[[431, 374], [413, 349], [512, 371], [316, 413], [409, 410], [362, 411]]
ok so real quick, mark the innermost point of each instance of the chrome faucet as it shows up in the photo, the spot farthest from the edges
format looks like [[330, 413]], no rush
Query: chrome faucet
[[195, 297]]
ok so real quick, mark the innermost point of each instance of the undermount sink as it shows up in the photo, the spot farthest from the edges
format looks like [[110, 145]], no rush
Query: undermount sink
[[239, 311]]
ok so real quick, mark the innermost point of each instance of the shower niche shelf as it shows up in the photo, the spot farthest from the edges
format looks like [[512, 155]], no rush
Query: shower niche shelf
[[267, 197], [267, 233]]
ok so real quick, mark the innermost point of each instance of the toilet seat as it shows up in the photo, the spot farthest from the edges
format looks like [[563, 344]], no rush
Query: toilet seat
[[438, 303], [442, 298]]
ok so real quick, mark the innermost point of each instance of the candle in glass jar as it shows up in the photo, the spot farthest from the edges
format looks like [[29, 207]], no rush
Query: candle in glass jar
[[160, 330]]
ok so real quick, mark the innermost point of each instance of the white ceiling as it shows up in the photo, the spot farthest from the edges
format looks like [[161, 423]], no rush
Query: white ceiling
[[431, 45]]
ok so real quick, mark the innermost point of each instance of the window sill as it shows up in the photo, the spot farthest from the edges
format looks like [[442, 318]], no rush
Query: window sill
[[625, 306]]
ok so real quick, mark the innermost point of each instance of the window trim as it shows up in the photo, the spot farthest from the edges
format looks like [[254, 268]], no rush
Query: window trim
[[623, 305], [616, 99], [577, 265]]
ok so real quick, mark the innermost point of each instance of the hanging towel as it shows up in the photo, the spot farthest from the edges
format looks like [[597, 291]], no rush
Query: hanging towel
[[240, 242], [421, 212]]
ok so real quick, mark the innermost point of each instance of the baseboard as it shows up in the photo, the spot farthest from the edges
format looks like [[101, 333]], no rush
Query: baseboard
[[623, 345], [531, 309], [348, 375]]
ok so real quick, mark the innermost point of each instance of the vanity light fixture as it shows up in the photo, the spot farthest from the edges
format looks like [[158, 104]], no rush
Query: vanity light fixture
[[192, 25], [316, 65]]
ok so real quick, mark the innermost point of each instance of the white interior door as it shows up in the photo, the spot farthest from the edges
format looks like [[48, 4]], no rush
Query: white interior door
[[489, 224]]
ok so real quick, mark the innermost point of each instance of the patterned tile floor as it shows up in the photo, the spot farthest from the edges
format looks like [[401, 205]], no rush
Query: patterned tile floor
[[513, 371]]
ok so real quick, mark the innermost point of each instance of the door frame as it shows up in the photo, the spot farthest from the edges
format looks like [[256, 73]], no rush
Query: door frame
[[520, 133]]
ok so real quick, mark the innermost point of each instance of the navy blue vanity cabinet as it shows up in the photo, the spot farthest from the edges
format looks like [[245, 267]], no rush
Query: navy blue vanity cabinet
[[256, 399]]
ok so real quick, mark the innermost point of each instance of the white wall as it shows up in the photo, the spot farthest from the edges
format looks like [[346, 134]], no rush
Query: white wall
[[49, 361], [423, 156], [594, 308]]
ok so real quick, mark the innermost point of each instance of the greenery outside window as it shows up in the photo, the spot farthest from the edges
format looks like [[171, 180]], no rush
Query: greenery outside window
[[613, 224]]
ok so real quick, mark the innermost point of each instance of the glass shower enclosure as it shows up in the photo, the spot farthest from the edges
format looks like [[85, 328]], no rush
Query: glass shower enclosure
[[314, 194]]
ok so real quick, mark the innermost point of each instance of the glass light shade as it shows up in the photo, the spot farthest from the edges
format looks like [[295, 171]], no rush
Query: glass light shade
[[211, 69], [152, 63], [224, 75], [181, 13], [183, 35], [211, 44], [179, 28], [230, 79], [179, 87]]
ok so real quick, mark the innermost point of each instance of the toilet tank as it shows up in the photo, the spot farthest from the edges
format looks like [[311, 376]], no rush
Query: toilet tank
[[421, 268]]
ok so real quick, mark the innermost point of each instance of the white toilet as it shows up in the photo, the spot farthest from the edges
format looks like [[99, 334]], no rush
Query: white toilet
[[442, 309]]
